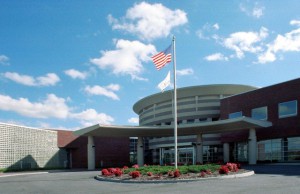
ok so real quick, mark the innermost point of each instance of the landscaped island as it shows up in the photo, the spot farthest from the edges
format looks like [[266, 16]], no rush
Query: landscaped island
[[155, 172]]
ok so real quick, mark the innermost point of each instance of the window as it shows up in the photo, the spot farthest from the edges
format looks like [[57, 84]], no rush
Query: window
[[260, 113], [190, 121], [235, 115], [287, 109]]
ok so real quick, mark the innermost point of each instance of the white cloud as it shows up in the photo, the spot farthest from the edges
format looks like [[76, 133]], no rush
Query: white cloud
[[183, 72], [113, 87], [4, 60], [149, 21], [216, 57], [266, 57], [295, 22], [133, 120], [216, 26], [75, 74], [49, 79], [207, 31], [52, 106], [107, 91], [126, 59], [242, 42], [255, 10], [289, 42], [91, 117]]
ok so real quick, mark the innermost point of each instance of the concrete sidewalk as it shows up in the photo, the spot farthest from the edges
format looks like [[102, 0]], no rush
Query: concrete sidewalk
[[9, 174]]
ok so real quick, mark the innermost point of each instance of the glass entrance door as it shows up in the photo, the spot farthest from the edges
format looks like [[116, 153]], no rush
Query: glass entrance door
[[185, 156]]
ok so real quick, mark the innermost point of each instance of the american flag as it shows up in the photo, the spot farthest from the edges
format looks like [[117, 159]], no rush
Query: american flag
[[162, 58]]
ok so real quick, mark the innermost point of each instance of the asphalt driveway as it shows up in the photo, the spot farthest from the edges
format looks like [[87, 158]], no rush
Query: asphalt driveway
[[268, 179]]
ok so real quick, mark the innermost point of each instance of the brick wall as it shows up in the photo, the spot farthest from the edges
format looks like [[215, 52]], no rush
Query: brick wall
[[110, 152], [270, 97]]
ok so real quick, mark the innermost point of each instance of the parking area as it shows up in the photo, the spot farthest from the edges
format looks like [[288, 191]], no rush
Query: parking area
[[268, 179]]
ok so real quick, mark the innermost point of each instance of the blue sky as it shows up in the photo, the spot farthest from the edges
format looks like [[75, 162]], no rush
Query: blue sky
[[72, 64]]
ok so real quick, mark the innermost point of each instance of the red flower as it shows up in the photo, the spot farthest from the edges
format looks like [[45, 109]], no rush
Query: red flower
[[202, 174], [224, 169], [111, 170], [177, 173], [105, 172], [135, 174], [149, 173], [118, 172], [135, 166], [232, 167], [125, 167]]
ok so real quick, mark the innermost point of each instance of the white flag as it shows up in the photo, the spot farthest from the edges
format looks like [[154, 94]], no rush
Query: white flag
[[165, 83]]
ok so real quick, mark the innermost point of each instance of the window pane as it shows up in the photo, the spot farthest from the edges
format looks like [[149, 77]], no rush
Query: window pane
[[287, 109], [235, 115], [260, 113]]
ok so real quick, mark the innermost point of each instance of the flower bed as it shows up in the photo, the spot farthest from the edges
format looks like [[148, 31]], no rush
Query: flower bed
[[169, 173]]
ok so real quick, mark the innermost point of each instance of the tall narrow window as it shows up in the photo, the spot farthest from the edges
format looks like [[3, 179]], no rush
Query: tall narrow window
[[235, 115], [287, 109], [260, 113]]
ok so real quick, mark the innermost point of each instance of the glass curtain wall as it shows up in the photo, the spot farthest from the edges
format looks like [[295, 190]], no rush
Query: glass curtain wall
[[279, 150]]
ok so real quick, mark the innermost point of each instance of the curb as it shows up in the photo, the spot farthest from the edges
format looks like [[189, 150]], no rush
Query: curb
[[246, 174], [21, 174]]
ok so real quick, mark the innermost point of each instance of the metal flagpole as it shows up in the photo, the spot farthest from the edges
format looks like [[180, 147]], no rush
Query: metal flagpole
[[175, 104]]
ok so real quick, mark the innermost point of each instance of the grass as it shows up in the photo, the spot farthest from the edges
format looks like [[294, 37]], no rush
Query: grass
[[183, 169], [3, 170]]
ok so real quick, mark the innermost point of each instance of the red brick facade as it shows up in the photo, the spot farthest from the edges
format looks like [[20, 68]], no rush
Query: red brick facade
[[110, 152], [269, 96]]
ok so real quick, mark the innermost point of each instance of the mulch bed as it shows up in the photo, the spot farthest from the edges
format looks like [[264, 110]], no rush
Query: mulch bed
[[188, 176]]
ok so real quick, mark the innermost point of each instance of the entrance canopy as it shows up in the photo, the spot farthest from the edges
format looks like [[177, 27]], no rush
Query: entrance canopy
[[236, 124]]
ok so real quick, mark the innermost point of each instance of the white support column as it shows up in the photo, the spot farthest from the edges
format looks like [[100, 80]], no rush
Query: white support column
[[252, 147], [91, 153], [140, 151], [226, 152], [199, 149]]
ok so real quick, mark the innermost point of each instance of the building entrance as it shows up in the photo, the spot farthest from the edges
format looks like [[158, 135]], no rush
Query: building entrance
[[185, 156]]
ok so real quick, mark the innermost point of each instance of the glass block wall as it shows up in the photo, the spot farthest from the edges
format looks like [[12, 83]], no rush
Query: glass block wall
[[26, 148]]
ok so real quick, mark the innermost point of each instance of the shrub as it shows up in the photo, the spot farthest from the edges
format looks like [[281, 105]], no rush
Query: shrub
[[135, 174], [149, 173], [105, 172], [224, 170], [202, 174], [177, 173], [118, 172], [232, 167], [135, 166], [111, 170]]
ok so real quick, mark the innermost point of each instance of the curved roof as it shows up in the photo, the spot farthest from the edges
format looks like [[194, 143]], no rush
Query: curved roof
[[217, 89], [241, 123]]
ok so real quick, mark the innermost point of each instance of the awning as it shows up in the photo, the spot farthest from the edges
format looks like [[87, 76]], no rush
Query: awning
[[236, 124]]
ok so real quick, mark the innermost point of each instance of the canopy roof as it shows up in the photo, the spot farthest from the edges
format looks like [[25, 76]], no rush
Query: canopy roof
[[236, 124]]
